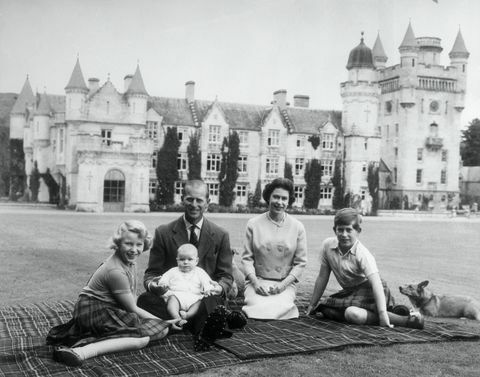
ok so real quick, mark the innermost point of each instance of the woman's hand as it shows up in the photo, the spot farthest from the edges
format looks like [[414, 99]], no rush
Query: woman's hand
[[384, 320], [277, 288], [259, 289]]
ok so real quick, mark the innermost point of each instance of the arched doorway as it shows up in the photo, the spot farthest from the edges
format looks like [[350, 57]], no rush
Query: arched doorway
[[114, 191]]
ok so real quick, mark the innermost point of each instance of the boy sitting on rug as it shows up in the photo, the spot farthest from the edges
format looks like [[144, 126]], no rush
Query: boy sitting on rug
[[363, 299], [106, 318], [185, 285]]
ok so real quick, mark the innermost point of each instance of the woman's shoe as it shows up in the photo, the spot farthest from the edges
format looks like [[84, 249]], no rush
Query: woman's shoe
[[67, 356]]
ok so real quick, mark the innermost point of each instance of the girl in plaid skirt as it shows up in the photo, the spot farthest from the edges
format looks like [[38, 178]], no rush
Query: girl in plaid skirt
[[106, 318], [365, 297]]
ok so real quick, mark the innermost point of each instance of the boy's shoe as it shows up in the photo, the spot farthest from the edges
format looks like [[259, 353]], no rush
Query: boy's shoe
[[402, 310], [415, 321], [67, 356], [236, 320]]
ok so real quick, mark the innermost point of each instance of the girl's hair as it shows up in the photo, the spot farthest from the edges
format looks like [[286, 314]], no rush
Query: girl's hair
[[348, 216], [133, 226], [283, 183]]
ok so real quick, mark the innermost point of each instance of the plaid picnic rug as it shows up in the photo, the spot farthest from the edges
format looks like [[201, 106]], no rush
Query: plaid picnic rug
[[23, 351]]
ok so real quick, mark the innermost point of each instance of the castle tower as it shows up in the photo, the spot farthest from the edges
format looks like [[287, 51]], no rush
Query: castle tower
[[459, 59], [137, 97], [19, 114], [360, 97], [379, 56], [76, 94]]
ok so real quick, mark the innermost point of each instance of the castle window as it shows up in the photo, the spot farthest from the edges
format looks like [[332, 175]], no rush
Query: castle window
[[387, 133], [272, 165], [397, 129], [213, 162], [434, 129], [273, 138], [300, 141], [388, 107], [181, 133], [152, 186], [60, 140], [326, 167], [328, 141], [241, 191], [395, 175], [299, 192], [364, 170], [413, 62], [243, 136], [444, 155], [154, 160], [242, 164], [106, 137], [419, 154], [443, 176], [213, 189], [396, 152], [365, 143], [419, 176], [299, 166], [108, 107], [214, 134], [326, 193], [179, 188], [152, 130], [182, 162]]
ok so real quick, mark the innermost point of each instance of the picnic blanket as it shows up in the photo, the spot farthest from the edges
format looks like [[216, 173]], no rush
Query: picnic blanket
[[23, 351]]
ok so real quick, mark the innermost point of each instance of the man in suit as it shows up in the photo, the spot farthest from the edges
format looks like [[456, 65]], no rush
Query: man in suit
[[214, 253]]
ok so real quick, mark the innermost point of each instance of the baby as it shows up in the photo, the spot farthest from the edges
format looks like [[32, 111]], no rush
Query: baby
[[185, 285]]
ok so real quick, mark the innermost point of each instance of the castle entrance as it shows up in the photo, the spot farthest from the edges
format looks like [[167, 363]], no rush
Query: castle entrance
[[114, 191]]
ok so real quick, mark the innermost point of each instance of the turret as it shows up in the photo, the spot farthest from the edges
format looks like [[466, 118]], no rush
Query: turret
[[76, 94], [19, 113], [379, 56], [360, 63], [137, 97], [408, 49], [459, 59]]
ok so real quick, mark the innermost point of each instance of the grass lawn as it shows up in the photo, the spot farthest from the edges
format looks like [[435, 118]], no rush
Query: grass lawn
[[48, 255]]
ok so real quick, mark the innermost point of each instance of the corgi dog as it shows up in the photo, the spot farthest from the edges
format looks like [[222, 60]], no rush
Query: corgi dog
[[434, 305]]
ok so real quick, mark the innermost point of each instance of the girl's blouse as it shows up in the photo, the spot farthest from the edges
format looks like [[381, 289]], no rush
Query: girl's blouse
[[112, 277], [274, 250]]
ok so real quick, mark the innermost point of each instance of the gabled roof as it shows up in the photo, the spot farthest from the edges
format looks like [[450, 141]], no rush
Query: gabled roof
[[459, 48], [175, 111], [409, 38], [25, 97], [43, 107], [76, 79], [378, 51], [311, 120], [136, 85]]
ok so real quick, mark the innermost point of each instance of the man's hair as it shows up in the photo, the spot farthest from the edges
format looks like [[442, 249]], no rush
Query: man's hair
[[196, 183], [283, 183], [348, 216]]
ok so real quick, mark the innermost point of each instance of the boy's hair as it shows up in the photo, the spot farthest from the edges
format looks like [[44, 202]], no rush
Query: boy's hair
[[348, 216], [133, 226], [187, 246]]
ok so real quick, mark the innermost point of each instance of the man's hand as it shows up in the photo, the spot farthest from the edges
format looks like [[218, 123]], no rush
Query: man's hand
[[216, 289], [156, 288]]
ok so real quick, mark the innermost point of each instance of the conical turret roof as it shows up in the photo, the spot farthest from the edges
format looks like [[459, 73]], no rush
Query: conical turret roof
[[43, 107], [26, 97], [409, 38], [360, 57], [459, 48], [378, 51], [76, 80], [136, 85]]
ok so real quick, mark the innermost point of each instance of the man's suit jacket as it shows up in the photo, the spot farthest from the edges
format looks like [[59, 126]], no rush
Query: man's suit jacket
[[214, 253]]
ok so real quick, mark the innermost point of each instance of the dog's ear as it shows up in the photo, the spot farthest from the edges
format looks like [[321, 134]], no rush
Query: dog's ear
[[423, 284]]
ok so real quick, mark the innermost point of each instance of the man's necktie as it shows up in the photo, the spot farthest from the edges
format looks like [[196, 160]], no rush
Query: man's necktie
[[193, 236]]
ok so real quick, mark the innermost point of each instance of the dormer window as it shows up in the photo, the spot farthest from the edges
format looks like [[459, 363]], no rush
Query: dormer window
[[273, 138]]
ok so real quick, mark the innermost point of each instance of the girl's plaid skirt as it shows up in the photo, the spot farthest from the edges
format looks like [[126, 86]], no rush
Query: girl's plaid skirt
[[95, 320], [360, 296]]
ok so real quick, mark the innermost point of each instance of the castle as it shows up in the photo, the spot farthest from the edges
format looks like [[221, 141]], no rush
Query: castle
[[99, 144]]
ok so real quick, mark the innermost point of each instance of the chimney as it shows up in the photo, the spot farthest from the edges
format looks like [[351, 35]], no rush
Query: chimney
[[93, 84], [126, 81], [190, 91], [280, 98], [301, 100]]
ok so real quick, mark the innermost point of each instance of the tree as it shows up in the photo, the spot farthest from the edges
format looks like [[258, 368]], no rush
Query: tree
[[339, 190], [287, 173], [470, 150], [35, 182], [229, 169], [313, 176], [194, 157], [373, 180], [167, 169], [17, 169], [314, 140], [254, 200]]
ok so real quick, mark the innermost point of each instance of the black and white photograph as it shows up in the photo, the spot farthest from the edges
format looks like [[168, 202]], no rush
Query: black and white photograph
[[239, 188]]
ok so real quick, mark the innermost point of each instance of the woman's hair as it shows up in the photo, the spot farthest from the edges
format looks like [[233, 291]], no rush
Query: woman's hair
[[283, 183], [348, 216], [133, 226]]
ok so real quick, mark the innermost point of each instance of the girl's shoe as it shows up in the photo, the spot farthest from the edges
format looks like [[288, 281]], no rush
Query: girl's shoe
[[67, 356]]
